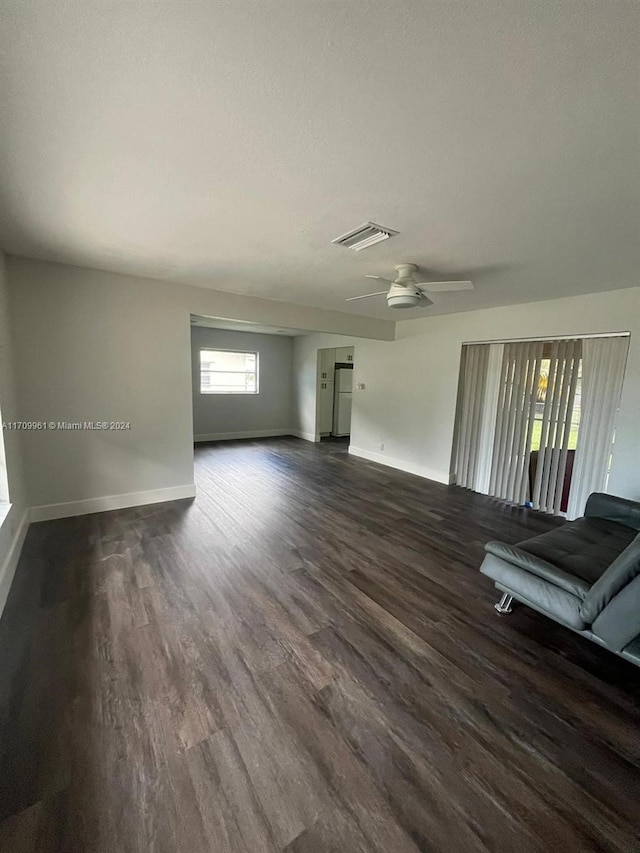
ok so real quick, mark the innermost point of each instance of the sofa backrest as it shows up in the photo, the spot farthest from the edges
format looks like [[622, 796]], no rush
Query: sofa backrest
[[621, 572], [620, 510]]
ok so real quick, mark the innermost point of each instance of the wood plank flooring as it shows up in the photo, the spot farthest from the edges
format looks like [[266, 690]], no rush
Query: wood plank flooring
[[304, 659]]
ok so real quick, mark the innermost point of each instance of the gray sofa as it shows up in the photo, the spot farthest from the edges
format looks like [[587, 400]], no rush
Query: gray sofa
[[585, 574]]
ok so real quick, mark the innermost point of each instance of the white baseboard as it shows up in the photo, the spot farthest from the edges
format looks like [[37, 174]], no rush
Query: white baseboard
[[307, 436], [48, 512], [401, 465], [249, 433], [8, 568]]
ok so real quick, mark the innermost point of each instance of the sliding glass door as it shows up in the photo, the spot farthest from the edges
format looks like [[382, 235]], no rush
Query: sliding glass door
[[520, 409]]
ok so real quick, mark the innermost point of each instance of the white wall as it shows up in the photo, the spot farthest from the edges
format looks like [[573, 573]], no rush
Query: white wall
[[100, 348], [13, 519], [269, 412], [92, 346], [411, 383]]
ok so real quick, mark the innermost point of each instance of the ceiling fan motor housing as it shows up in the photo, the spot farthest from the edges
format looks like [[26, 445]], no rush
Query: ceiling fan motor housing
[[403, 292], [405, 272]]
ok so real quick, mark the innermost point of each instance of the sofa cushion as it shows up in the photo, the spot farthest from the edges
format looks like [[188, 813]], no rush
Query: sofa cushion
[[621, 572], [534, 591], [584, 548]]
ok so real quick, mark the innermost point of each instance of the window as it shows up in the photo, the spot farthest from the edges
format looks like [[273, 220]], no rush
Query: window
[[541, 398], [228, 372]]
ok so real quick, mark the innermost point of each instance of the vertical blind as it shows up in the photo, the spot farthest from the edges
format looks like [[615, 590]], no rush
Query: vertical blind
[[519, 379], [603, 364], [473, 379], [497, 461], [556, 425], [519, 385]]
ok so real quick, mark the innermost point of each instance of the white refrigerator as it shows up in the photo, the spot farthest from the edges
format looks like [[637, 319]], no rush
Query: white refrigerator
[[343, 386]]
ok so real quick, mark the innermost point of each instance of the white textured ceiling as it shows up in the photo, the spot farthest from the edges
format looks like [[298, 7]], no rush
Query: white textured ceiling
[[227, 143]]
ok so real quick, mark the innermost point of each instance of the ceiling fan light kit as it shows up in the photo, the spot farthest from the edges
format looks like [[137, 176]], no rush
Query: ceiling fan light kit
[[405, 292], [402, 298]]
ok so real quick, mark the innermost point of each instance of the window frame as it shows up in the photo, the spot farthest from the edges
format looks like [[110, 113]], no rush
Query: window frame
[[240, 372]]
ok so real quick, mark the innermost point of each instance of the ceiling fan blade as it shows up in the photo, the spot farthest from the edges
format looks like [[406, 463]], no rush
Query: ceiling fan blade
[[380, 278], [366, 296], [444, 286], [424, 300]]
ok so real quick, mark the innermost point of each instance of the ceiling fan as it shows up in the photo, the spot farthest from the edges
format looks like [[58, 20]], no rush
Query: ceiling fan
[[406, 292]]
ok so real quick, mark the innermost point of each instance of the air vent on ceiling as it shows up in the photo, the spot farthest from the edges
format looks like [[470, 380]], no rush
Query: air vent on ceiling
[[366, 235]]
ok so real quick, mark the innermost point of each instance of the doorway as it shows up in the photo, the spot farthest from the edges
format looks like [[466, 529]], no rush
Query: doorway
[[334, 392]]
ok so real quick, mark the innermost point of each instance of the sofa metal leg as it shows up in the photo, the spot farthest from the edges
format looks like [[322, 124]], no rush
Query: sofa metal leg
[[504, 605]]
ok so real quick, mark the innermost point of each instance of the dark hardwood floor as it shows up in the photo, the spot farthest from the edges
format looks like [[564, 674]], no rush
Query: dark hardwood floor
[[304, 659]]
